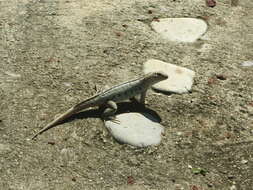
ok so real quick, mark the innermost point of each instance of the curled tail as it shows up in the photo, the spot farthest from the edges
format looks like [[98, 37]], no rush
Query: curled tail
[[59, 119]]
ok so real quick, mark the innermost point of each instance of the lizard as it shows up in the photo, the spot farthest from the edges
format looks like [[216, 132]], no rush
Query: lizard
[[110, 97]]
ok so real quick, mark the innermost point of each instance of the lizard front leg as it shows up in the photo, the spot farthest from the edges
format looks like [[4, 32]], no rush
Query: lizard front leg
[[111, 108], [139, 99], [143, 96]]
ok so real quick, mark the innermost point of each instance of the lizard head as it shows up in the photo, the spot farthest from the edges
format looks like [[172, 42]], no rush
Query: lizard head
[[155, 77]]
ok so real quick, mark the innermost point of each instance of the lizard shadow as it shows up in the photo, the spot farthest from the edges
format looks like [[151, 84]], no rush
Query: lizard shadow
[[170, 93], [123, 107]]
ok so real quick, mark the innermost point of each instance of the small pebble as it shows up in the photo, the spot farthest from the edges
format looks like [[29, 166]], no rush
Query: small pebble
[[155, 19], [130, 180], [179, 187], [179, 133], [212, 81], [230, 177], [194, 187], [233, 187], [244, 161], [150, 12], [211, 3], [221, 77], [247, 63], [51, 143], [43, 116], [73, 179], [67, 84], [124, 25]]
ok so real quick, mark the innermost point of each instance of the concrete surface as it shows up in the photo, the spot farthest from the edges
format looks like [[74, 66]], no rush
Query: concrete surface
[[46, 44]]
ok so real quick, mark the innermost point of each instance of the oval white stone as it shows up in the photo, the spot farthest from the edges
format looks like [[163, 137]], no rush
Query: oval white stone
[[180, 79], [137, 129], [180, 29]]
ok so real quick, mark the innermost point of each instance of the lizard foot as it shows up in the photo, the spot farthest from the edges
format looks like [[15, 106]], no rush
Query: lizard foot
[[113, 119]]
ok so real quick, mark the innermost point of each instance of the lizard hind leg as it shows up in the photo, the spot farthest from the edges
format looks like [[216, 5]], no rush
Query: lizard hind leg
[[110, 110]]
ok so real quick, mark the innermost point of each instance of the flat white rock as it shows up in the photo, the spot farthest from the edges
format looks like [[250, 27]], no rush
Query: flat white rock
[[180, 29], [137, 129], [180, 79]]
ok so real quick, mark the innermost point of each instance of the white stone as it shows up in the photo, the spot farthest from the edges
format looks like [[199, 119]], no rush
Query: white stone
[[137, 129], [180, 79], [67, 84], [180, 29], [247, 63], [233, 187], [244, 161]]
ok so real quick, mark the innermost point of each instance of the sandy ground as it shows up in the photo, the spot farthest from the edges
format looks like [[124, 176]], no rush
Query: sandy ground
[[54, 53]]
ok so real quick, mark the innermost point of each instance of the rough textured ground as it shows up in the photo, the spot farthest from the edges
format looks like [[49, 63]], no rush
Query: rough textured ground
[[54, 52]]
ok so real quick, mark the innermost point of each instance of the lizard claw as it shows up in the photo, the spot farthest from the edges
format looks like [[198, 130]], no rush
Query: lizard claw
[[113, 119]]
